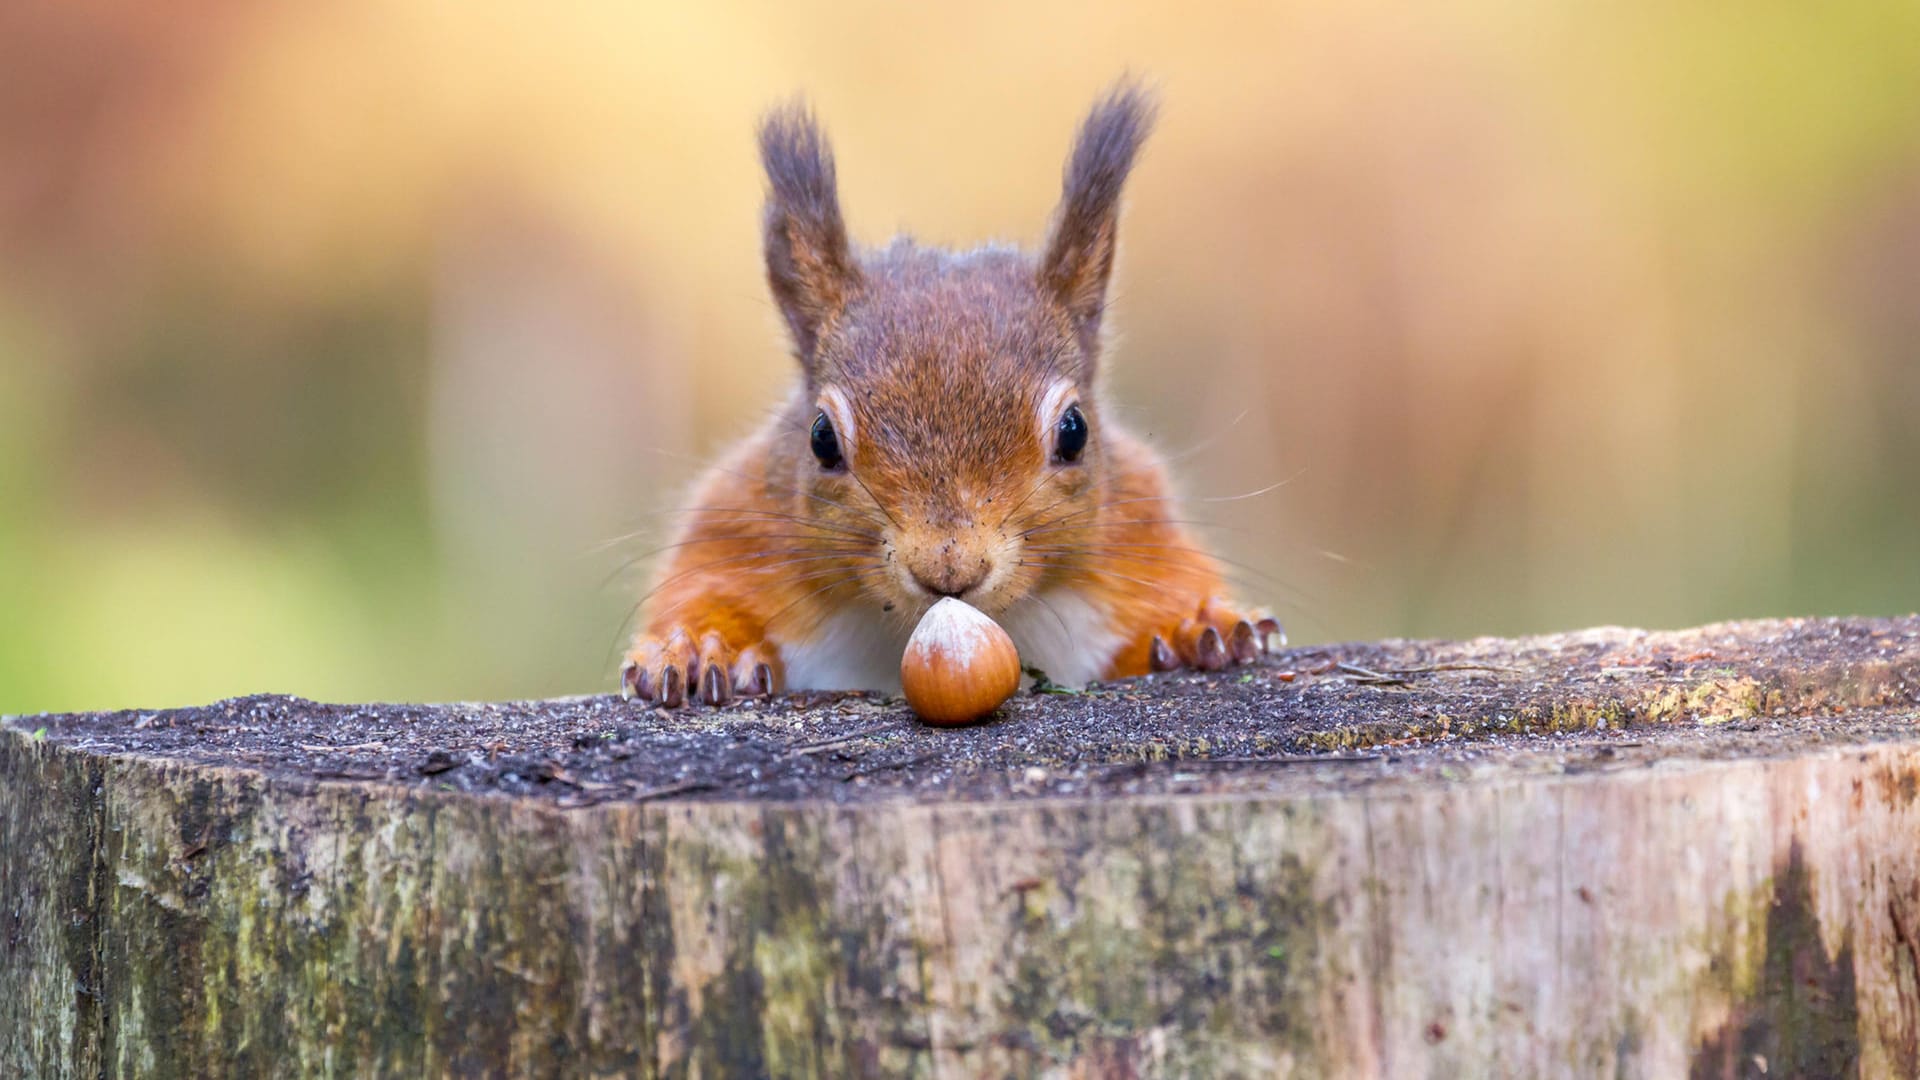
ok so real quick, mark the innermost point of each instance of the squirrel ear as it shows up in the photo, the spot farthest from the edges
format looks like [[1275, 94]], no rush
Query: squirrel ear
[[1079, 253], [810, 265]]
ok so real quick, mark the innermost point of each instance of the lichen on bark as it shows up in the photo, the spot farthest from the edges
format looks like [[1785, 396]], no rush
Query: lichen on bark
[[1071, 890]]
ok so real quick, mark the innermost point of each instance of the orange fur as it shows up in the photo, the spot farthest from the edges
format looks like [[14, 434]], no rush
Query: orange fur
[[945, 385]]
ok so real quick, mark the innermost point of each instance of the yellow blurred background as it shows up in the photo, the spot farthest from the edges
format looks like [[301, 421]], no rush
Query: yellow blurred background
[[338, 340]]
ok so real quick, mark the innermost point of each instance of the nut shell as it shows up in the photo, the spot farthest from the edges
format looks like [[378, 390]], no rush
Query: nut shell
[[959, 665]]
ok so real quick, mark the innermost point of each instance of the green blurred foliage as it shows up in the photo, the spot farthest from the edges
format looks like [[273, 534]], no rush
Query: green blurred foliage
[[363, 350]]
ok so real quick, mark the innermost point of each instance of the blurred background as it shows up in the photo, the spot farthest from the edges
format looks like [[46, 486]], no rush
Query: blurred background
[[341, 344]]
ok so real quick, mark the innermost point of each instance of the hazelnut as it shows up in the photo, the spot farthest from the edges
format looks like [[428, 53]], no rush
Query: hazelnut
[[959, 665]]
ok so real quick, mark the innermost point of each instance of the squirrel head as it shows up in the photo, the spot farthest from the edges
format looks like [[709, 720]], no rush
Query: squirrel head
[[949, 410]]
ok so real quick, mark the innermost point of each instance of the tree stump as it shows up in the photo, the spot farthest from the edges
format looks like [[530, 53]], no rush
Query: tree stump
[[1609, 852]]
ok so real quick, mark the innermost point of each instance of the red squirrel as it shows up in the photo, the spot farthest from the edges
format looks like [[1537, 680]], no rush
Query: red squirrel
[[946, 438]]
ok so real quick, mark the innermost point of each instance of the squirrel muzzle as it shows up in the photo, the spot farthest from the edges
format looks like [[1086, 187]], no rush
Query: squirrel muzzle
[[957, 561]]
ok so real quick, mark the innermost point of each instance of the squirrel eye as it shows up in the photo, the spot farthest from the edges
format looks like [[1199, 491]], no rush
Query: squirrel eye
[[1070, 435], [826, 445]]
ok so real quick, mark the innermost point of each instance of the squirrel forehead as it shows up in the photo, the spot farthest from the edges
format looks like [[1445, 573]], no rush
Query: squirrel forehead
[[924, 415], [944, 358], [956, 318]]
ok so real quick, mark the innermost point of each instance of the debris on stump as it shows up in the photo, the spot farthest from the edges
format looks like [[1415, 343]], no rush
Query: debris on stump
[[1611, 850]]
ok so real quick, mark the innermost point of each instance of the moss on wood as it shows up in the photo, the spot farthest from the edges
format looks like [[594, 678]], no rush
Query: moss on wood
[[1146, 878]]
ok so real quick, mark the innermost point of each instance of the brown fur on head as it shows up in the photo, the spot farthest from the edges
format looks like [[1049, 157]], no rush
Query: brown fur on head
[[946, 377]]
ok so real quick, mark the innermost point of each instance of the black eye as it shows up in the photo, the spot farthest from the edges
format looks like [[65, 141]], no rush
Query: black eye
[[826, 445], [1070, 435]]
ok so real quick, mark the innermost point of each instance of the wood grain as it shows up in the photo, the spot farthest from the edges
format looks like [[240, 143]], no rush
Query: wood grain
[[1700, 901]]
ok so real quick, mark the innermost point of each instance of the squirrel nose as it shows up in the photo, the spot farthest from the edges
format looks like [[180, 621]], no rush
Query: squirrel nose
[[949, 572], [949, 580]]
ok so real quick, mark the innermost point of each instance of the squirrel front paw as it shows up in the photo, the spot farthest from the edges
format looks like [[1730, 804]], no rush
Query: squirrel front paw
[[1217, 634], [677, 667]]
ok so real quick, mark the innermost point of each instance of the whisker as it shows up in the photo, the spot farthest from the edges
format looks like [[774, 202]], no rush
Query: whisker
[[777, 413], [1084, 555], [748, 538], [839, 573], [776, 515], [1210, 526], [1086, 571], [1246, 573], [743, 513], [1041, 513], [1207, 443], [1044, 477], [791, 558], [1042, 601], [1168, 496], [1164, 496], [1105, 546], [1098, 507], [870, 495], [1102, 573], [850, 579], [1129, 523], [619, 635], [834, 546], [1277, 485], [762, 479], [862, 582]]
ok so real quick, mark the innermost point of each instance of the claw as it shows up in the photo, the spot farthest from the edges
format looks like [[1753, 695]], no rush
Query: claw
[[673, 687], [752, 675], [678, 666], [1243, 643], [681, 652], [714, 689], [1161, 657], [1268, 626], [1210, 650]]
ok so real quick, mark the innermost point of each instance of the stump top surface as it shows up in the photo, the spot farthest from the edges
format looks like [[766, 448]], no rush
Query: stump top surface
[[1337, 716]]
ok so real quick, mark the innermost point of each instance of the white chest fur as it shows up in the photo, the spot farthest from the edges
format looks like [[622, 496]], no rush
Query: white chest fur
[[852, 650], [1061, 632], [1064, 634]]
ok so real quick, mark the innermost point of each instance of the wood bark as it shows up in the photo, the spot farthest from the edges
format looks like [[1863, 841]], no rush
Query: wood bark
[[1625, 888]]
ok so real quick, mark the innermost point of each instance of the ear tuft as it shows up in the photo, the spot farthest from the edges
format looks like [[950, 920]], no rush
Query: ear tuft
[[810, 265], [1079, 253]]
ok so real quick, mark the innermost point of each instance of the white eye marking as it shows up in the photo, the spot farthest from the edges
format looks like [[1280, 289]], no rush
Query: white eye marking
[[1059, 395], [840, 411]]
